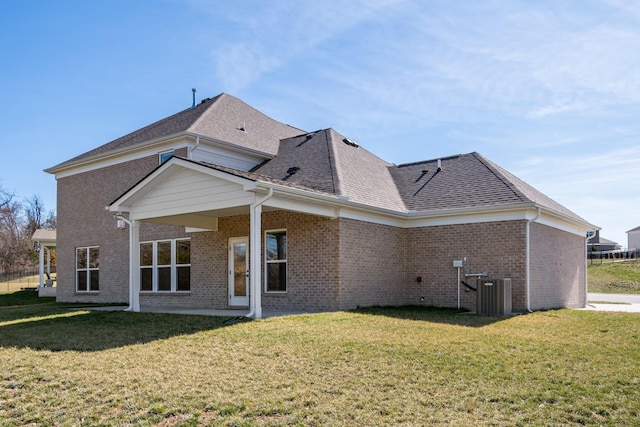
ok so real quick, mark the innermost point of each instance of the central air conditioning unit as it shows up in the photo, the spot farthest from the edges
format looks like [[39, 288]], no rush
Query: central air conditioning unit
[[493, 296]]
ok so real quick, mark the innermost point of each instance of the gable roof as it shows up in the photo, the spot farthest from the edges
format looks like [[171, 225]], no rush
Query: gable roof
[[222, 118], [634, 229]]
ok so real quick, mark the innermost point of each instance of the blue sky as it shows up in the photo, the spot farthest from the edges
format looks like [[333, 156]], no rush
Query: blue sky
[[549, 90]]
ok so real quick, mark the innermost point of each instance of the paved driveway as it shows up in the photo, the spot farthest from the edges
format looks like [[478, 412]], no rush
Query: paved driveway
[[614, 302]]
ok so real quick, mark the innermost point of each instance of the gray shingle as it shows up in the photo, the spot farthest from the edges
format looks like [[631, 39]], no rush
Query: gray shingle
[[220, 118]]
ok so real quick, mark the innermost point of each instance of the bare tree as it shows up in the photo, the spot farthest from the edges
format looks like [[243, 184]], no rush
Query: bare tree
[[18, 222], [10, 231]]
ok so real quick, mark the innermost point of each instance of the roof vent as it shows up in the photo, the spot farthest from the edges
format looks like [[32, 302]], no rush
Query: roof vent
[[290, 172], [243, 127], [194, 98], [350, 142], [439, 165]]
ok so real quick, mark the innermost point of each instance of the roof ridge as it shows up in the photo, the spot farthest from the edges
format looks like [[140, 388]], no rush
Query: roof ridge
[[335, 169], [215, 99], [496, 170]]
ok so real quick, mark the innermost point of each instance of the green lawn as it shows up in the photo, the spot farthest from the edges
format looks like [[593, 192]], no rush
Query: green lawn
[[409, 366], [615, 277]]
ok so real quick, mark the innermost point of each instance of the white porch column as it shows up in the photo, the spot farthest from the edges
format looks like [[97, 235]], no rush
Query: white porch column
[[134, 265], [48, 261], [255, 249], [41, 263]]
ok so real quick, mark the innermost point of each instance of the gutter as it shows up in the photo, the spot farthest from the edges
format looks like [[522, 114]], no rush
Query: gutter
[[528, 258]]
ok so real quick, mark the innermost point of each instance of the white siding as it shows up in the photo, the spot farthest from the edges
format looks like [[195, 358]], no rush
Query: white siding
[[190, 191], [221, 157]]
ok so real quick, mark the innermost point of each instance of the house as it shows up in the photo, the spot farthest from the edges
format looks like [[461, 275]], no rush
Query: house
[[220, 206], [600, 244], [633, 239]]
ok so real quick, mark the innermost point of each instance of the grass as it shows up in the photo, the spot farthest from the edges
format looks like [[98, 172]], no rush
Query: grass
[[382, 366], [615, 277]]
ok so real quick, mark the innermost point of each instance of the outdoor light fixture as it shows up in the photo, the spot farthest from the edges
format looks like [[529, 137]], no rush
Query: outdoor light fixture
[[121, 222]]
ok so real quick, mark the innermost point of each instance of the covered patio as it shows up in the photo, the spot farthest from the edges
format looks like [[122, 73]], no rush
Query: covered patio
[[195, 195], [46, 241]]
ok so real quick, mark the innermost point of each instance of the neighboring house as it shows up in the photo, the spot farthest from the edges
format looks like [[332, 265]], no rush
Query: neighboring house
[[633, 238], [220, 206], [598, 244]]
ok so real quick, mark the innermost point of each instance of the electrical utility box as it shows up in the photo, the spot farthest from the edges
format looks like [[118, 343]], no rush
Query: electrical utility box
[[493, 296]]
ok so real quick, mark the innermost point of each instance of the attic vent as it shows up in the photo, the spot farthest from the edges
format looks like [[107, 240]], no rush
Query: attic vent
[[350, 142]]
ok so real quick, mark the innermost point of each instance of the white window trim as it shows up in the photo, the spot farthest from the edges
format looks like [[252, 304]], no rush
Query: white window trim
[[87, 269], [154, 267], [267, 262]]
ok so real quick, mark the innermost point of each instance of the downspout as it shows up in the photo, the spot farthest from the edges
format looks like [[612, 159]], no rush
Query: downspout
[[528, 259], [254, 251], [192, 149], [586, 269]]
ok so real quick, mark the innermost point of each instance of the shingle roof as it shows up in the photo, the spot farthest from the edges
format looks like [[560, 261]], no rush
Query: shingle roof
[[465, 181], [327, 162], [221, 118], [323, 161]]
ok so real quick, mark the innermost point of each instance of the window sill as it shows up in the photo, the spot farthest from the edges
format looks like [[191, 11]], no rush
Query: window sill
[[165, 292]]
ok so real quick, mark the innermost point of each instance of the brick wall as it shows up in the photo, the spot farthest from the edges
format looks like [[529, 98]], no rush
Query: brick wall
[[371, 265], [497, 248], [83, 221], [558, 268], [311, 264]]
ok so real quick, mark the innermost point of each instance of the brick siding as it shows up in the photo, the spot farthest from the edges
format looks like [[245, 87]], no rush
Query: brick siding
[[83, 221], [558, 268], [332, 264]]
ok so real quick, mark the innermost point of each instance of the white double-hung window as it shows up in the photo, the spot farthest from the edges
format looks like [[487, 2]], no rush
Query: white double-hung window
[[88, 269], [276, 261], [165, 266]]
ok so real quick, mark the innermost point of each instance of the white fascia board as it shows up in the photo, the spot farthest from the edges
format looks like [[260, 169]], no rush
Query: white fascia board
[[115, 157], [332, 206], [553, 219]]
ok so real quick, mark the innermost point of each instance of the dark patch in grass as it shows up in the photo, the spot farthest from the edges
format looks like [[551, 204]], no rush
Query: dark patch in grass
[[59, 329], [23, 298], [449, 316]]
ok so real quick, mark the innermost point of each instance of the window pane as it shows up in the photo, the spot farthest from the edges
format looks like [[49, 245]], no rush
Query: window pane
[[164, 253], [146, 254], [94, 258], [146, 279], [183, 252], [166, 156], [184, 278], [94, 284], [82, 280], [164, 279], [277, 277], [81, 258], [276, 247]]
